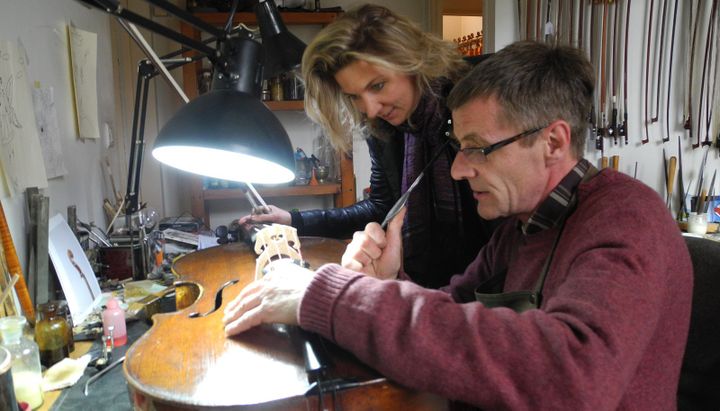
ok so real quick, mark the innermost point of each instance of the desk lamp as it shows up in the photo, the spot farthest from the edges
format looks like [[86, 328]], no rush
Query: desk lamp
[[227, 133]]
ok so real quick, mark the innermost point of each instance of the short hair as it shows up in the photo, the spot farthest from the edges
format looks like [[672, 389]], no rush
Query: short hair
[[378, 36], [534, 84]]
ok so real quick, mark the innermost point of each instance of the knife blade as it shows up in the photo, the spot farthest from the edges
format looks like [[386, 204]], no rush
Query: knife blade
[[402, 201]]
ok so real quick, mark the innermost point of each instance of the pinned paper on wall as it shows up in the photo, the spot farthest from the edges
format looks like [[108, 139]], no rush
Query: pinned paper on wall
[[83, 65], [18, 135], [48, 131]]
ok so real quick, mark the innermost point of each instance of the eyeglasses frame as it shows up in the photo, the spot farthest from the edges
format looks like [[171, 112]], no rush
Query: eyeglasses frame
[[485, 151]]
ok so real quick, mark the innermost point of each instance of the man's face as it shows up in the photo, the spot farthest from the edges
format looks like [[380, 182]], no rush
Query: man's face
[[509, 181]]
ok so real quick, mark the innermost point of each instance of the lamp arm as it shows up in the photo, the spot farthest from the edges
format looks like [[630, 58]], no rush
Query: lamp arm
[[140, 40], [146, 71], [114, 8]]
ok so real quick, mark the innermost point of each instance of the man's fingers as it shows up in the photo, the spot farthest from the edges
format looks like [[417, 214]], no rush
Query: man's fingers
[[246, 321], [247, 296], [375, 233]]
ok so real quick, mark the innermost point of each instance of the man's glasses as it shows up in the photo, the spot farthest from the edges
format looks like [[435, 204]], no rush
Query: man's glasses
[[480, 154]]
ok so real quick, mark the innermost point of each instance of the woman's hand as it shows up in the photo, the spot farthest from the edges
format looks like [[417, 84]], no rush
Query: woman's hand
[[269, 214]]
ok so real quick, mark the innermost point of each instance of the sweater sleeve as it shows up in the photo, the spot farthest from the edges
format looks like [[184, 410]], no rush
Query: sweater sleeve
[[611, 310]]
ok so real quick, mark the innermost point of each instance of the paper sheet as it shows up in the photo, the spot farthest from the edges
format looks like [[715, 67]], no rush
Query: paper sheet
[[20, 153], [83, 59]]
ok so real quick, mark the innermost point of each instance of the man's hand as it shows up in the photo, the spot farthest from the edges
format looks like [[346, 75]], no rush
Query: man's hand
[[269, 214], [375, 252], [273, 299]]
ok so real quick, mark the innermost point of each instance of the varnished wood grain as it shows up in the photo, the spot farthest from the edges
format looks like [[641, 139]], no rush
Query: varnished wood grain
[[188, 363]]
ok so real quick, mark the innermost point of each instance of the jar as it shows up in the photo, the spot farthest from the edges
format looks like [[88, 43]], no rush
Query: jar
[[276, 89], [64, 311], [7, 390], [26, 371], [51, 334]]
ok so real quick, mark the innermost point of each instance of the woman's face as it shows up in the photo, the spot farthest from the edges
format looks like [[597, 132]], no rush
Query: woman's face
[[378, 92]]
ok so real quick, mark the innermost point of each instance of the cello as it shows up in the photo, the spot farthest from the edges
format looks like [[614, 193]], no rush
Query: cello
[[185, 361]]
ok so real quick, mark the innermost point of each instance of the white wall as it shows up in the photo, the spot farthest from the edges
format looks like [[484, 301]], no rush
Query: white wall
[[40, 26]]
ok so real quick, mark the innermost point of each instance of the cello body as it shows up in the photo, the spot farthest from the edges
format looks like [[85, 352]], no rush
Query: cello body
[[185, 362]]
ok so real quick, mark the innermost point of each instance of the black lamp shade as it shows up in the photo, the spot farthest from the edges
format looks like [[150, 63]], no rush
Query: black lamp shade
[[230, 135]]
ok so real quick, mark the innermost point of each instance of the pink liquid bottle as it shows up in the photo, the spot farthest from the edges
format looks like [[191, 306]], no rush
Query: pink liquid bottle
[[114, 316]]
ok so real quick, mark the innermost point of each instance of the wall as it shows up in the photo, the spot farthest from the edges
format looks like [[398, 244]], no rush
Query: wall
[[501, 26], [40, 26]]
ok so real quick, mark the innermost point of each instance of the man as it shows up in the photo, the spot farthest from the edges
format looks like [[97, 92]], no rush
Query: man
[[603, 327]]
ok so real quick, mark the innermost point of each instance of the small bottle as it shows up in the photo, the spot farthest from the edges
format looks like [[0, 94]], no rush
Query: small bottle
[[276, 88], [114, 316], [51, 334], [266, 91], [26, 371], [64, 311]]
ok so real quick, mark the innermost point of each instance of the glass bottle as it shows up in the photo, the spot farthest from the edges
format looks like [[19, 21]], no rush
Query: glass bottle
[[64, 311], [51, 334], [26, 371], [7, 392]]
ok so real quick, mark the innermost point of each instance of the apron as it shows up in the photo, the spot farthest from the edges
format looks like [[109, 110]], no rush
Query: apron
[[490, 292]]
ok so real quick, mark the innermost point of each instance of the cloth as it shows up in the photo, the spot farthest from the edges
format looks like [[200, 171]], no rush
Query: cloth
[[64, 373], [442, 232], [609, 334]]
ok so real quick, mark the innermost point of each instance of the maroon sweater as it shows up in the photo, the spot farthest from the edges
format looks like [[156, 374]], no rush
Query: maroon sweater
[[610, 332]]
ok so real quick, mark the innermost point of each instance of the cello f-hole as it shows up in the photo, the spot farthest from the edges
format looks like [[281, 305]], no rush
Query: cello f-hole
[[218, 300]]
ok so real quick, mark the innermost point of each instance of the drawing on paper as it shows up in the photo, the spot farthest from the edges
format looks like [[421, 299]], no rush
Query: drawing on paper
[[83, 56], [48, 131], [20, 143]]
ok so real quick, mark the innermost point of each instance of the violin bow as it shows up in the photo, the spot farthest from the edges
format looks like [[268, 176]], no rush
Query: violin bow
[[648, 51], [613, 126], [659, 76], [548, 30], [602, 129], [670, 70], [624, 131], [691, 69], [708, 98], [708, 53]]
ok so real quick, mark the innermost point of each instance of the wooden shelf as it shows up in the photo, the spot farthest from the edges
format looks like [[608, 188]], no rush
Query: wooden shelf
[[288, 17], [285, 105], [269, 192]]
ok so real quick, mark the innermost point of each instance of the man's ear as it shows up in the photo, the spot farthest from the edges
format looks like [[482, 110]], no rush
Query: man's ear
[[557, 142]]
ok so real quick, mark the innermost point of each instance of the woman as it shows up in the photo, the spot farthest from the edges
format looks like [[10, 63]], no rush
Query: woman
[[376, 73]]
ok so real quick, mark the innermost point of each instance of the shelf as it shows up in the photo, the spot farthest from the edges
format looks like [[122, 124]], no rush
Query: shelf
[[219, 19], [268, 192], [285, 105]]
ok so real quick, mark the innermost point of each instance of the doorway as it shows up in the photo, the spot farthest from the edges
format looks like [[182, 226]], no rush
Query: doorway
[[460, 21]]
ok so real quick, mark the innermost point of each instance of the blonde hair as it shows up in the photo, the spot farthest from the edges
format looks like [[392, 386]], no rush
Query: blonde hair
[[378, 36]]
